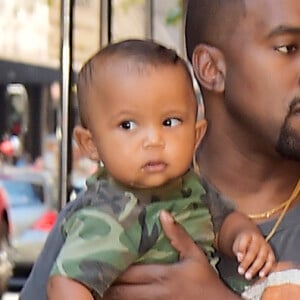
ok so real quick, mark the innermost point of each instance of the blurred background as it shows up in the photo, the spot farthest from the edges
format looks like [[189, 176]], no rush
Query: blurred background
[[43, 44]]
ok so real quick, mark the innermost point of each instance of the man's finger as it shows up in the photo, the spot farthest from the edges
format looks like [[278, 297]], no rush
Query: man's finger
[[179, 238], [143, 274], [137, 292]]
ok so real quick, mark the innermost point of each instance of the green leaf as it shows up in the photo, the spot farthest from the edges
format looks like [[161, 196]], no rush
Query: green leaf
[[174, 15]]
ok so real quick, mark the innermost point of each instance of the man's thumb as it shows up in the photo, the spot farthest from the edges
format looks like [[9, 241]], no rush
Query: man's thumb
[[179, 238]]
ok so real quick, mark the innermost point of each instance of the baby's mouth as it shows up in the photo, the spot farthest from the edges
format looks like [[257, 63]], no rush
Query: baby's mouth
[[154, 166]]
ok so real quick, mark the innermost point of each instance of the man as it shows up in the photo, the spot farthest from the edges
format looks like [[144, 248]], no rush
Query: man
[[246, 57]]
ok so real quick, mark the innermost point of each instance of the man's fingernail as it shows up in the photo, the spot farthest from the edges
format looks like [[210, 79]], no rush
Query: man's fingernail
[[166, 216]]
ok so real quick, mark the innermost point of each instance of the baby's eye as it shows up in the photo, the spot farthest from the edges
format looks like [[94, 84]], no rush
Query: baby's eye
[[128, 125], [286, 49], [171, 122]]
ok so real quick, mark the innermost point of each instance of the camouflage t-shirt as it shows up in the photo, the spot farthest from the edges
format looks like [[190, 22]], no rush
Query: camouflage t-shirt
[[116, 227]]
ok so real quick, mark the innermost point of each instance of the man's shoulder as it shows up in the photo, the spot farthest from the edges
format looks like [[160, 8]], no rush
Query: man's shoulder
[[214, 195]]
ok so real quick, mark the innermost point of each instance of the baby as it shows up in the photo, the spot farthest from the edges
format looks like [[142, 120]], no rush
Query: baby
[[138, 113]]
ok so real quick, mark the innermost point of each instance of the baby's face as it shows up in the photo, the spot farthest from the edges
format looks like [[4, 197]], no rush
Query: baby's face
[[143, 125]]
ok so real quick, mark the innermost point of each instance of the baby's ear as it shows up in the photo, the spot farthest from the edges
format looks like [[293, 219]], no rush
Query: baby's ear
[[84, 140], [200, 130]]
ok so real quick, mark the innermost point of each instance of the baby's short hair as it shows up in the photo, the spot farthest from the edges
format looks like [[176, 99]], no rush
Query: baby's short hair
[[139, 56]]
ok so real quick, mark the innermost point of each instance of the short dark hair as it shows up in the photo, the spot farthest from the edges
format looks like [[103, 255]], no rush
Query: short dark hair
[[139, 55], [211, 22]]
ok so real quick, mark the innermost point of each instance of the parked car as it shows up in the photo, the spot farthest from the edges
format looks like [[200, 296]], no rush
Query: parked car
[[33, 213], [5, 258]]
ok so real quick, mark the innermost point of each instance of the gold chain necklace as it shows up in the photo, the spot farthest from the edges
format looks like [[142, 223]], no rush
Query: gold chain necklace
[[269, 213], [284, 206]]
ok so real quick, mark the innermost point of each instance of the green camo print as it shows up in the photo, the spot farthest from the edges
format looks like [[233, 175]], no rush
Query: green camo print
[[115, 228]]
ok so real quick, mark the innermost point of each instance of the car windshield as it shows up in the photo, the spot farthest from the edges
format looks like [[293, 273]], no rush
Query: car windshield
[[22, 193]]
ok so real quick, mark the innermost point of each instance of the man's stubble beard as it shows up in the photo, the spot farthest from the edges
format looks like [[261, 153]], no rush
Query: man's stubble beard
[[288, 144]]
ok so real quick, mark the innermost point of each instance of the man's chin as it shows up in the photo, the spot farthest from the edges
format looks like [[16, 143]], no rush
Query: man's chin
[[288, 144]]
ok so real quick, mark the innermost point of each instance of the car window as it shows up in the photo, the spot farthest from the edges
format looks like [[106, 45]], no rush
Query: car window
[[22, 193]]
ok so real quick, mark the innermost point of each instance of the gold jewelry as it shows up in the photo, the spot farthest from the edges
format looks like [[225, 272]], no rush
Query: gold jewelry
[[293, 196], [285, 206], [269, 213]]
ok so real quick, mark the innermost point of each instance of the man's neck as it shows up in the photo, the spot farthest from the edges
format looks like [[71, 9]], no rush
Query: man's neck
[[243, 176]]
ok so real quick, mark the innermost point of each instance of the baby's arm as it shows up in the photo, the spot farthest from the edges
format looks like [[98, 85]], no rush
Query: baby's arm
[[97, 249], [60, 287], [240, 237]]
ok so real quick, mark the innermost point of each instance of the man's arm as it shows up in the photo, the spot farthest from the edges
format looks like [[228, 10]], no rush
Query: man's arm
[[35, 286], [192, 278], [283, 283]]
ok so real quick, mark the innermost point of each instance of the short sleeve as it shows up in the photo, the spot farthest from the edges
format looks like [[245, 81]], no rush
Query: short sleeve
[[96, 250], [219, 206]]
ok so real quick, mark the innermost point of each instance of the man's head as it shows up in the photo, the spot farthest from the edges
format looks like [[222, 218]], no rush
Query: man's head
[[139, 113], [246, 57], [211, 22]]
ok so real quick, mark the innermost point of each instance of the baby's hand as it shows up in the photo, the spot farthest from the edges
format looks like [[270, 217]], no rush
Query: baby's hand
[[254, 254]]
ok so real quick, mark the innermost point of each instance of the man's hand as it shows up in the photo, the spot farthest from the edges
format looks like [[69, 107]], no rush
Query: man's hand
[[192, 278]]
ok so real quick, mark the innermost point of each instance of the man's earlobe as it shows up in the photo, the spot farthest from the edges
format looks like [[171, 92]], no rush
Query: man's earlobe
[[84, 140], [209, 67]]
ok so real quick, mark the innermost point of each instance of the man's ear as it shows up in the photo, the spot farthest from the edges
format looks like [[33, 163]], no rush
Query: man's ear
[[200, 130], [209, 67], [84, 140]]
